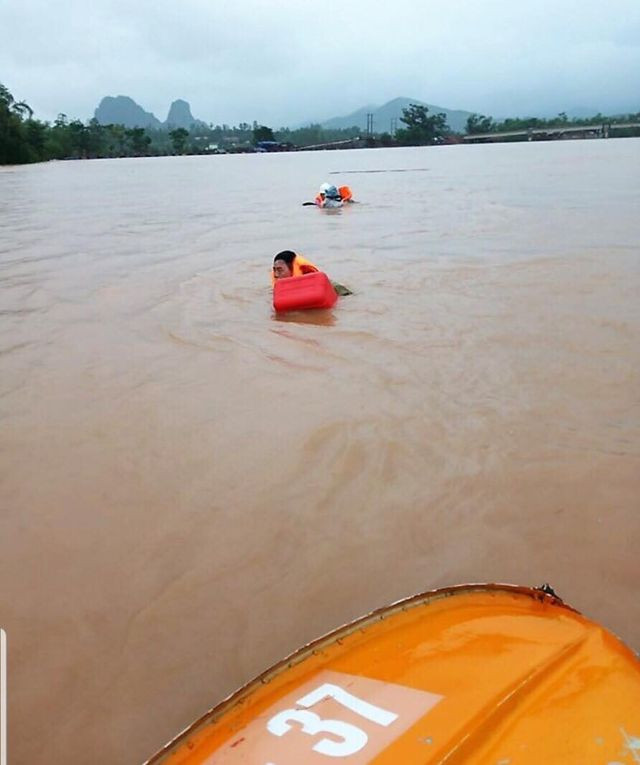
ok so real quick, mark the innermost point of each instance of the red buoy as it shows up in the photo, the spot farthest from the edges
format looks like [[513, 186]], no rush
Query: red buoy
[[295, 293]]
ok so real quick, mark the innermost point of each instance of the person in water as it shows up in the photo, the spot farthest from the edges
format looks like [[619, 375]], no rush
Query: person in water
[[288, 263], [332, 196]]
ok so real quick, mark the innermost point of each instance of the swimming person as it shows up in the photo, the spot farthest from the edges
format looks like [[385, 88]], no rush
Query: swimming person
[[331, 196], [288, 263]]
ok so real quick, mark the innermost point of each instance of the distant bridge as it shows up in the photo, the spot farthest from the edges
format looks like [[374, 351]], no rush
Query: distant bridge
[[552, 132], [349, 143]]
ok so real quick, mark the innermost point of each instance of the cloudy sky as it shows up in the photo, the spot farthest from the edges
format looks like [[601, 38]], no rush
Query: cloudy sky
[[283, 62]]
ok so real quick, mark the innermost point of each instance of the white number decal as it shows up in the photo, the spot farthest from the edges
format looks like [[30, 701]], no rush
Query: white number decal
[[353, 739], [348, 700]]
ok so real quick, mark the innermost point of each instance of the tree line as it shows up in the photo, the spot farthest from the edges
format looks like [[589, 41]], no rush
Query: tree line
[[26, 139], [479, 123]]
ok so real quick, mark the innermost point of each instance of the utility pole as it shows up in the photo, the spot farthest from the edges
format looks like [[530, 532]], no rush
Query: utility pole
[[369, 123], [393, 125]]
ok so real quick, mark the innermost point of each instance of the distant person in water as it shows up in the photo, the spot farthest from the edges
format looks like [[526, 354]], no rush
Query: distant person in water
[[331, 196], [288, 263]]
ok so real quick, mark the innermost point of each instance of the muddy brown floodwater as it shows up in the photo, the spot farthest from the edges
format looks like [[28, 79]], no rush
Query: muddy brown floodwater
[[192, 488]]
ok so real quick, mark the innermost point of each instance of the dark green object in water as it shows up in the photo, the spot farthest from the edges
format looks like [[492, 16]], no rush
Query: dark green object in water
[[341, 289]]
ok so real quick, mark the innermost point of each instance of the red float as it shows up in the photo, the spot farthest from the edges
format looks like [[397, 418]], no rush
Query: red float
[[296, 293]]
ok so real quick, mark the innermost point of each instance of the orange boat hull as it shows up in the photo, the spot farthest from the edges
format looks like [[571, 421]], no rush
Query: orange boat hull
[[481, 674]]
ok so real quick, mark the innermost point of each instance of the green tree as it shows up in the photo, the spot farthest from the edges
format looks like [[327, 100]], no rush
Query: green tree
[[57, 144], [314, 134], [305, 136], [14, 143], [22, 109], [96, 139], [79, 139], [478, 123], [36, 133], [421, 128], [179, 138], [139, 140], [262, 133], [116, 136]]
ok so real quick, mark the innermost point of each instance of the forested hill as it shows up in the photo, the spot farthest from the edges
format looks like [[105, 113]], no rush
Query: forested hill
[[392, 110]]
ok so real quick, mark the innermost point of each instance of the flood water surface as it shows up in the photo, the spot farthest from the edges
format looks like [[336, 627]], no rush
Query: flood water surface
[[193, 487]]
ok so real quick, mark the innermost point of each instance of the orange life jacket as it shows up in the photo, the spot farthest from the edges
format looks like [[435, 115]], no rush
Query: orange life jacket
[[300, 267]]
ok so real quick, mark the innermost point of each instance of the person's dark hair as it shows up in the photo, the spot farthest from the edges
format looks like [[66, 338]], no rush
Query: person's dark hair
[[287, 256]]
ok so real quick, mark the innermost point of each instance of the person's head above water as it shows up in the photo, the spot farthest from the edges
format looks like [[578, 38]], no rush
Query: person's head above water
[[328, 191], [283, 264]]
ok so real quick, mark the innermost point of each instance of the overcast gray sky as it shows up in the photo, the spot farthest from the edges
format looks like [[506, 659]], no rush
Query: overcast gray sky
[[282, 62]]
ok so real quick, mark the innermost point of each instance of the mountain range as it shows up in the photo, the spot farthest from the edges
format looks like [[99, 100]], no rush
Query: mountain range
[[122, 110]]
